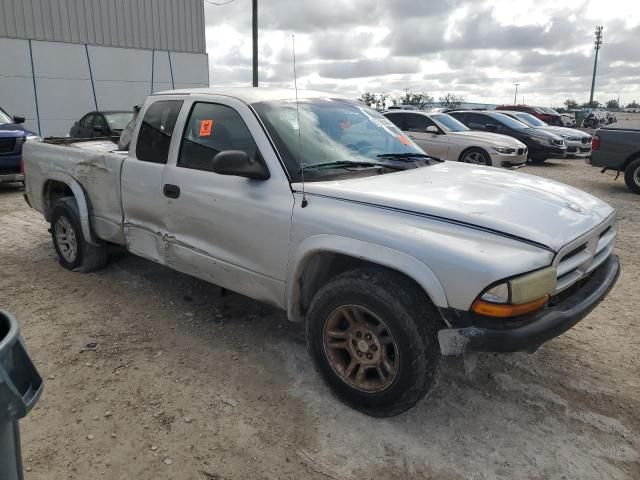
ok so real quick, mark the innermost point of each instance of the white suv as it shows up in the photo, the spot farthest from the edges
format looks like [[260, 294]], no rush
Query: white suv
[[444, 137]]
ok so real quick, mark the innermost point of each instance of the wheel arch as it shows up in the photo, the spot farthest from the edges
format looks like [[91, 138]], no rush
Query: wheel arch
[[322, 257], [630, 159], [475, 147], [60, 185]]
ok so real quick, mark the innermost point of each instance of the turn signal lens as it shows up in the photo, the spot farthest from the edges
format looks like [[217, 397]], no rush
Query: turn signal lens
[[506, 310]]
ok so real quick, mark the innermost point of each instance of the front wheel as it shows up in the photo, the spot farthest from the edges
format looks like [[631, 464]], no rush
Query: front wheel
[[74, 252], [476, 156], [632, 175], [373, 336]]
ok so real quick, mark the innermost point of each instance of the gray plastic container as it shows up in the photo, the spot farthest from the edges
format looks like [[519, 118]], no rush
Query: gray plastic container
[[20, 388]]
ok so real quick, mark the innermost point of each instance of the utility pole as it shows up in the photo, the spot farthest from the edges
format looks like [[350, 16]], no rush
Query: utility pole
[[515, 97], [255, 42], [598, 44]]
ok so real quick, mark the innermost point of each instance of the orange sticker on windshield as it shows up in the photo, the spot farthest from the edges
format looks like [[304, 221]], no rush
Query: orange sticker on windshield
[[205, 128], [404, 140]]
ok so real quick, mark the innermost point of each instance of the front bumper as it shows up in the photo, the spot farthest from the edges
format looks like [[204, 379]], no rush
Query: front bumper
[[541, 327], [503, 160], [11, 177]]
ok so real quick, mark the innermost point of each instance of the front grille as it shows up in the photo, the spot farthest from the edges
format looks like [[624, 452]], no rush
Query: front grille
[[585, 139], [520, 151], [7, 145], [583, 256]]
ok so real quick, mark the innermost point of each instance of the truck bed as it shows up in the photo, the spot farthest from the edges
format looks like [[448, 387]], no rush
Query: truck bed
[[94, 164]]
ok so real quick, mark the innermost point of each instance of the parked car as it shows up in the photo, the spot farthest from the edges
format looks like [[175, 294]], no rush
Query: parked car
[[101, 124], [13, 134], [445, 137], [578, 142], [594, 119], [390, 257], [547, 115], [568, 119], [617, 147], [541, 144]]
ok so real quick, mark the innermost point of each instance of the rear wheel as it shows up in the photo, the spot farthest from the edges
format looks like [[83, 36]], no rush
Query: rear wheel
[[632, 175], [373, 336], [74, 252], [476, 156]]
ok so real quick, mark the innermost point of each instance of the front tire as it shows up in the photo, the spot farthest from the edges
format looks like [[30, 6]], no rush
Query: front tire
[[476, 156], [373, 336], [632, 175], [74, 252]]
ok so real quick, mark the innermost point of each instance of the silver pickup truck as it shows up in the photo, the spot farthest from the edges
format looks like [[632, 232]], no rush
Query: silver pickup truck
[[325, 209], [617, 147]]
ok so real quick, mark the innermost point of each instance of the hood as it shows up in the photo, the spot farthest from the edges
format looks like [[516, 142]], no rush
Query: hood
[[565, 132], [542, 132], [529, 207], [489, 137], [19, 130]]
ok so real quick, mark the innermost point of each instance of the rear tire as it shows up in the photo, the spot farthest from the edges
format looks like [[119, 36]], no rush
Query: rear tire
[[74, 252], [632, 175], [385, 325]]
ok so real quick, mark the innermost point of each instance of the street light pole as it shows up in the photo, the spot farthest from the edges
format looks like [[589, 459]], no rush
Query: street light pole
[[255, 42], [515, 97], [598, 44]]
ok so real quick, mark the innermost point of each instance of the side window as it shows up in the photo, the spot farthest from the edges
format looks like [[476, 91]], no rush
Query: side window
[[397, 119], [155, 133], [87, 121], [418, 123], [476, 121], [213, 128], [99, 121]]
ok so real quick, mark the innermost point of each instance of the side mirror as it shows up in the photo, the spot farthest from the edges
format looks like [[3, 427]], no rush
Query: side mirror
[[432, 129], [18, 119], [490, 127], [238, 163]]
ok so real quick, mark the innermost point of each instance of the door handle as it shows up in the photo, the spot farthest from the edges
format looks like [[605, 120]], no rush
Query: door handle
[[171, 191]]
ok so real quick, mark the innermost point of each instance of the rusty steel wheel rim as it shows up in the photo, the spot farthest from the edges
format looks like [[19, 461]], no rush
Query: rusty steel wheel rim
[[360, 348]]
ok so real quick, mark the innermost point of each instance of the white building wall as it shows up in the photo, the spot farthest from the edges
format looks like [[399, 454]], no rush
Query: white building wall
[[122, 77]]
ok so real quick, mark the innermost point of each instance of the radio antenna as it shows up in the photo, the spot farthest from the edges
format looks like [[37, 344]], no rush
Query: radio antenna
[[295, 86]]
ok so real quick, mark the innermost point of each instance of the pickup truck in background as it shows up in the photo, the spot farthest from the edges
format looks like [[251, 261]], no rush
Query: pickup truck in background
[[12, 135], [324, 208], [617, 147]]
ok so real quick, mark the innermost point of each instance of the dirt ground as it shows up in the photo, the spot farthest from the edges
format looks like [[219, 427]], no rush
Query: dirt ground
[[151, 374]]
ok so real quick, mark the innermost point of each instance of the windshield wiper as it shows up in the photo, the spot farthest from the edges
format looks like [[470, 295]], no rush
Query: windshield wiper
[[347, 164], [408, 156]]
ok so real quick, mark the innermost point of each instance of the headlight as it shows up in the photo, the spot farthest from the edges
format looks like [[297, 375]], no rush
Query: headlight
[[33, 138], [542, 140], [504, 150], [520, 295]]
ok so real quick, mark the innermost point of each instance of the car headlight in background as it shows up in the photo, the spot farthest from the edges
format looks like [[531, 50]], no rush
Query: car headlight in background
[[542, 141], [504, 150], [518, 296]]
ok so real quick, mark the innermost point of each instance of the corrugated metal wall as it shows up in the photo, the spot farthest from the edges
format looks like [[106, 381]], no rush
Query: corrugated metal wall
[[175, 25]]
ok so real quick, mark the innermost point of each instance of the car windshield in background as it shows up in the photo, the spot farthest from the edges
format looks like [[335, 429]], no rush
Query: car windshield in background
[[549, 110], [333, 132], [118, 120], [509, 121], [529, 119], [5, 118], [448, 123]]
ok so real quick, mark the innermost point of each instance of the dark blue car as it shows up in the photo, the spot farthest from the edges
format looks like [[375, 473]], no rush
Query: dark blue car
[[12, 135]]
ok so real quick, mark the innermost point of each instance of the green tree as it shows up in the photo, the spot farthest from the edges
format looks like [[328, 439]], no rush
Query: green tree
[[613, 103], [418, 99], [594, 104], [368, 98], [571, 103], [633, 104], [450, 100]]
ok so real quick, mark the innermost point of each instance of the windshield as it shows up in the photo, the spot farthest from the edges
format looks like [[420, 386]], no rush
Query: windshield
[[508, 121], [118, 120], [448, 123], [331, 131], [549, 110], [529, 119], [5, 118]]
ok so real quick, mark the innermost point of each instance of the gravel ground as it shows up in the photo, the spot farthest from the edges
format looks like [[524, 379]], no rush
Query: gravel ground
[[151, 374]]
